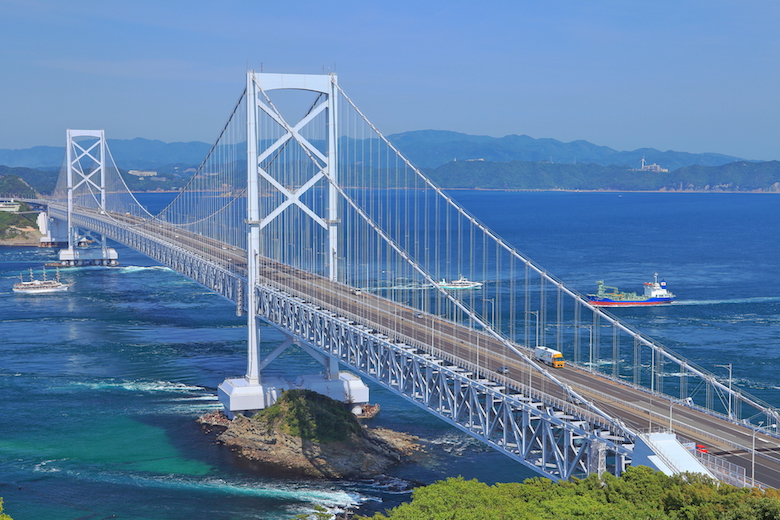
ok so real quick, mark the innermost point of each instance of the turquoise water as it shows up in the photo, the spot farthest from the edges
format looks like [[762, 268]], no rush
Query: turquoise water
[[101, 385]]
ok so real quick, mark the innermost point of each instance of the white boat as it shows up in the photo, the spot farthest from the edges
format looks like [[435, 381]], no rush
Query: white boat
[[460, 283], [34, 286]]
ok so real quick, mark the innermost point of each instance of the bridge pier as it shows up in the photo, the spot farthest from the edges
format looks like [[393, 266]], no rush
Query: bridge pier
[[73, 257], [55, 232], [242, 395], [76, 252]]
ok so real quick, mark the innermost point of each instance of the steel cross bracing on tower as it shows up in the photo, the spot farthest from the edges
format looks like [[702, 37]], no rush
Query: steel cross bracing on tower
[[83, 182], [345, 245]]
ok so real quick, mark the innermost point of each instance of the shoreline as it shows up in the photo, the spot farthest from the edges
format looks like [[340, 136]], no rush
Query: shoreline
[[552, 190], [367, 454], [28, 237]]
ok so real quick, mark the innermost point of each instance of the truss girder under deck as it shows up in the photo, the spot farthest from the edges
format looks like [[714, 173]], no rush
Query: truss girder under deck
[[557, 443]]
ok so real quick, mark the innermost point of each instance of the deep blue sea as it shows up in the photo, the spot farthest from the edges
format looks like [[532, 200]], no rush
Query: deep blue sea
[[101, 385]]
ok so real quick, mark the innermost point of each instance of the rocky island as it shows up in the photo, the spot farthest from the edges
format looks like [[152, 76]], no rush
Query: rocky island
[[309, 434]]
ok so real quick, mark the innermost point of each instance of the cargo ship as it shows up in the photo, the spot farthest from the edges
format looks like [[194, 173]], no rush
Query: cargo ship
[[656, 293]]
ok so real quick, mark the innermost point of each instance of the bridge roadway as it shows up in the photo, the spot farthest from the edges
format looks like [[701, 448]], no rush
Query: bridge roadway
[[637, 408]]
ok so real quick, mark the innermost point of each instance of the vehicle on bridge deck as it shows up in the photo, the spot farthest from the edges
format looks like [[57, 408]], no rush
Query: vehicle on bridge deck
[[656, 293], [550, 357]]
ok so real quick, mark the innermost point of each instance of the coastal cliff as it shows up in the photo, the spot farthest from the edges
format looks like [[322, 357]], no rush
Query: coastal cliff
[[312, 435], [20, 236], [19, 228]]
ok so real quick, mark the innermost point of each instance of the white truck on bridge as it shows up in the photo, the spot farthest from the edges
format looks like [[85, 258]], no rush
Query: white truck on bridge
[[549, 356]]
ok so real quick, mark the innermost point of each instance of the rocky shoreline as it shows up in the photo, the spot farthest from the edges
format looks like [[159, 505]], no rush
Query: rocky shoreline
[[20, 237], [368, 453]]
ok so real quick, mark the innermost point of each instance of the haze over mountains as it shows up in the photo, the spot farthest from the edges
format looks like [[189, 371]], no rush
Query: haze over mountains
[[129, 154], [432, 148], [425, 148]]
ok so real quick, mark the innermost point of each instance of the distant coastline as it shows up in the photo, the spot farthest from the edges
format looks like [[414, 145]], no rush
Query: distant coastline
[[552, 190], [737, 177]]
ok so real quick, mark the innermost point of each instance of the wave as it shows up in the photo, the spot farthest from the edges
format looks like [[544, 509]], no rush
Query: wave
[[121, 269], [210, 397], [45, 467], [195, 405], [286, 491], [757, 299], [194, 409], [141, 386], [386, 484], [458, 444], [138, 268], [273, 491]]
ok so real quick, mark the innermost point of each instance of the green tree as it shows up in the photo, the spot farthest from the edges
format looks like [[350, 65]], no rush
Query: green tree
[[3, 516], [311, 416], [640, 493]]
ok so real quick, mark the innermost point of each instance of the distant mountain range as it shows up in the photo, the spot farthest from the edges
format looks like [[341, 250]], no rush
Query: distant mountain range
[[425, 148], [432, 148], [455, 160], [129, 154]]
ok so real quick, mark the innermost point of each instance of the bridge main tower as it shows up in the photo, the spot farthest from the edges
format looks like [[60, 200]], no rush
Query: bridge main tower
[[266, 147], [86, 164]]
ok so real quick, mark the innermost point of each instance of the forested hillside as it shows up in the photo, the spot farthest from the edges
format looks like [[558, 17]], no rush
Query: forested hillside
[[432, 148], [20, 181], [522, 175]]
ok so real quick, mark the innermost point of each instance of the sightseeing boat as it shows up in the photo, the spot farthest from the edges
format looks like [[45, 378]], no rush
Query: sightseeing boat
[[34, 286]]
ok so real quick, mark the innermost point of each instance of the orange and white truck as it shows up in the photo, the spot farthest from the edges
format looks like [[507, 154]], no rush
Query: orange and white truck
[[549, 356]]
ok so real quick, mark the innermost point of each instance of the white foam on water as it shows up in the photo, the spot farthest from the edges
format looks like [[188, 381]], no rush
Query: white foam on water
[[46, 467], [141, 386], [757, 299], [210, 397], [458, 443], [287, 491], [386, 484], [273, 490], [138, 268], [195, 409]]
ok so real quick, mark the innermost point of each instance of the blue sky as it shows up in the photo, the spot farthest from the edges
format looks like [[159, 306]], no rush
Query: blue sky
[[680, 75]]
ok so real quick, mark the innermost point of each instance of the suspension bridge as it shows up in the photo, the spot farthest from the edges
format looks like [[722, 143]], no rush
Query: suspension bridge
[[307, 218]]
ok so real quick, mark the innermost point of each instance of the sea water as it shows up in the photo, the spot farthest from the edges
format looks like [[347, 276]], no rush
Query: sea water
[[101, 385]]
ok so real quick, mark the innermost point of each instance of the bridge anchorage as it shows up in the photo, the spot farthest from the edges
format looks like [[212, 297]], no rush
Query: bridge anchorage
[[307, 218]]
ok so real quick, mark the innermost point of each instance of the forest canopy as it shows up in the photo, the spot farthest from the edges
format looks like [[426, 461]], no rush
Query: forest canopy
[[640, 493]]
